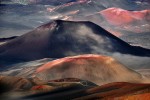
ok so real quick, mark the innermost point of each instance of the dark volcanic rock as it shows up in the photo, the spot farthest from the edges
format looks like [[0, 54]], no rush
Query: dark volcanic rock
[[65, 38]]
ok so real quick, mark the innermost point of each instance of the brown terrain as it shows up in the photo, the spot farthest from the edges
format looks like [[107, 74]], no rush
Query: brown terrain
[[95, 68], [111, 91], [72, 88], [83, 77], [119, 91]]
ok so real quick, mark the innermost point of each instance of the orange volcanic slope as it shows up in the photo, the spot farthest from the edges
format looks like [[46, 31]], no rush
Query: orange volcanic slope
[[118, 91], [74, 90], [118, 16], [111, 91], [144, 96], [95, 68]]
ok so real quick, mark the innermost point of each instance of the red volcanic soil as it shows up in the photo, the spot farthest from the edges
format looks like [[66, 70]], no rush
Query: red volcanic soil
[[42, 87], [118, 16]]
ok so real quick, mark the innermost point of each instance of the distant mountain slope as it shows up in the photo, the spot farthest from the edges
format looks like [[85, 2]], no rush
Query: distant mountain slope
[[97, 4], [44, 2], [134, 21], [126, 4], [119, 16], [142, 39], [131, 26], [119, 20], [36, 12], [65, 38]]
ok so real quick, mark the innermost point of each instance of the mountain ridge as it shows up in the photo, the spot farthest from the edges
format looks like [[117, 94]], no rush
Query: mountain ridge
[[69, 37]]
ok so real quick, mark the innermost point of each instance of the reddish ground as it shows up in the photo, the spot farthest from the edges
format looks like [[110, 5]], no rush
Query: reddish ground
[[118, 16]]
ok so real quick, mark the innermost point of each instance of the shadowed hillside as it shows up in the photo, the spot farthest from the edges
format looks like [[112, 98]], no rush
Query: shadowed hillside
[[70, 88], [65, 38], [112, 91]]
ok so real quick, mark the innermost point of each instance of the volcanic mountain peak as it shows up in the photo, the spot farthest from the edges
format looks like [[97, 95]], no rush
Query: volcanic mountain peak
[[65, 38], [48, 26], [96, 68]]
